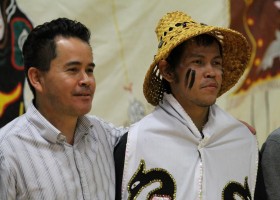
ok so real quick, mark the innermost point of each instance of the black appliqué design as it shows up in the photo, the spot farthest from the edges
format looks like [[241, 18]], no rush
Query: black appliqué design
[[237, 189], [142, 178]]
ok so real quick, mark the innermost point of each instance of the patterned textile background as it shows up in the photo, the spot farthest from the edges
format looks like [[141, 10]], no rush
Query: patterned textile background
[[124, 43]]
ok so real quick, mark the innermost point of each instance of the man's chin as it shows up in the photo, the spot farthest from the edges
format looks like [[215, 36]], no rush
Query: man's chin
[[83, 111], [208, 103]]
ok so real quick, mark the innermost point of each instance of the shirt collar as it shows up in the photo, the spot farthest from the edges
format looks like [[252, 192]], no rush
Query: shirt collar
[[46, 129], [51, 133], [170, 105], [83, 128]]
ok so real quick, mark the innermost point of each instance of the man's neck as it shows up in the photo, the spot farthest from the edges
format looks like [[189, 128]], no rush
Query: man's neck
[[199, 117]]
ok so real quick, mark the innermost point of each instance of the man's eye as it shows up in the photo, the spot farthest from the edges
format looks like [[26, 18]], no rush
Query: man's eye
[[197, 62], [90, 70], [72, 69], [218, 64]]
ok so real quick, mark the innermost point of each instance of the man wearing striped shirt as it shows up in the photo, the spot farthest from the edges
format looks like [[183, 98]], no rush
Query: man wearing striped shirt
[[55, 150]]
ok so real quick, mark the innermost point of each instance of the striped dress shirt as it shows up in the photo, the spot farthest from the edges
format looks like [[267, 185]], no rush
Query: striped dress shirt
[[37, 163]]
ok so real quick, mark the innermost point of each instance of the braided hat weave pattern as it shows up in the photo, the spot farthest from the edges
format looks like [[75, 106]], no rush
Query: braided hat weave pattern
[[177, 27]]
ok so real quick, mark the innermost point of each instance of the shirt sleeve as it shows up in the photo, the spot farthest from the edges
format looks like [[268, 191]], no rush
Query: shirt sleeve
[[119, 156], [113, 133], [260, 193], [7, 183], [270, 163]]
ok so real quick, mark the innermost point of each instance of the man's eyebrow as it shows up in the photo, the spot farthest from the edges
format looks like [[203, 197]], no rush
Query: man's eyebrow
[[191, 55], [71, 63], [92, 64], [197, 55]]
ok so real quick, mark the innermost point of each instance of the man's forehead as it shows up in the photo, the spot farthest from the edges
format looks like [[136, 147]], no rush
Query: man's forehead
[[194, 49]]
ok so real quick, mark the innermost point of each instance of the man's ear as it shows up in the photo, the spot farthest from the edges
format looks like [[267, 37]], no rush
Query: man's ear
[[165, 71], [34, 76]]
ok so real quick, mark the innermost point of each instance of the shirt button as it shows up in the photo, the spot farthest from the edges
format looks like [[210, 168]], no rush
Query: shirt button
[[61, 138]]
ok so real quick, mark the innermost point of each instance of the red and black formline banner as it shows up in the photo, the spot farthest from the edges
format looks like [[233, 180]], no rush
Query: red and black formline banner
[[14, 28], [259, 21]]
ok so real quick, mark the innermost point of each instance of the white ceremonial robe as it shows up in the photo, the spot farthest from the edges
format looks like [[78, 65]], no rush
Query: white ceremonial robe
[[167, 158]]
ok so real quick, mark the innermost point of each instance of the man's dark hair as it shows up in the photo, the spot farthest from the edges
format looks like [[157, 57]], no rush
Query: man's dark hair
[[176, 54], [39, 48]]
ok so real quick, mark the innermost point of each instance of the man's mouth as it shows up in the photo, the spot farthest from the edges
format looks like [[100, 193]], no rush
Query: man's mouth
[[83, 94], [210, 85]]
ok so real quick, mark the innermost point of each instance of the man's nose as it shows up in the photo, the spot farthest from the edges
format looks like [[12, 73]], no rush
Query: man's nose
[[84, 79], [210, 71]]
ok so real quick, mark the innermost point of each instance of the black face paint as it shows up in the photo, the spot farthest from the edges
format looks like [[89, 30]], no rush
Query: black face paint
[[192, 78], [188, 75]]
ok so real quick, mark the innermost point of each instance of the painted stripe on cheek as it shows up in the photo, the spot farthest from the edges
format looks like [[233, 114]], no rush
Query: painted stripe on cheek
[[192, 79]]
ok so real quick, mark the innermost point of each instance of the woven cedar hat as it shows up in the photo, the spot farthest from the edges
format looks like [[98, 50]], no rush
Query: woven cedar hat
[[177, 27]]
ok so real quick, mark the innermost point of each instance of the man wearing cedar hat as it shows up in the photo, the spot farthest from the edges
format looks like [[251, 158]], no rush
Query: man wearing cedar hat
[[188, 147]]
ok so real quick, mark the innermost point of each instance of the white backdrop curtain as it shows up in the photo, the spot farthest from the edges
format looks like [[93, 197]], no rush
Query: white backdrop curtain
[[124, 43]]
